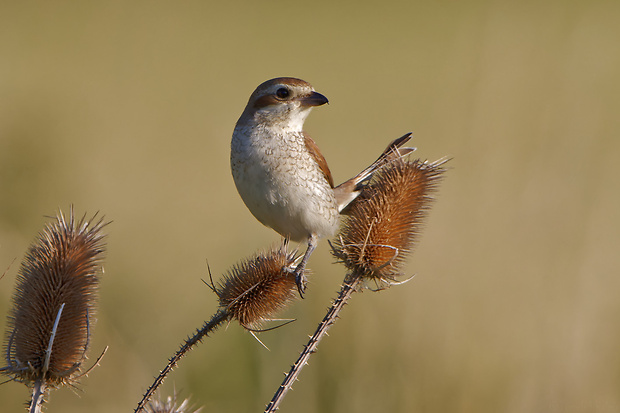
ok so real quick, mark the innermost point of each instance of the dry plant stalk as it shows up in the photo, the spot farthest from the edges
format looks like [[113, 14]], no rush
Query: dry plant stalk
[[48, 328], [251, 292], [375, 238]]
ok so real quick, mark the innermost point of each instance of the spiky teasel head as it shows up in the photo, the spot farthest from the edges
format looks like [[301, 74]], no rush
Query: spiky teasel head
[[382, 225], [49, 325], [257, 288]]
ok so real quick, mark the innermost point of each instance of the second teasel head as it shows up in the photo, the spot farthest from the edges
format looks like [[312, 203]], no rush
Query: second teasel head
[[257, 288], [382, 225]]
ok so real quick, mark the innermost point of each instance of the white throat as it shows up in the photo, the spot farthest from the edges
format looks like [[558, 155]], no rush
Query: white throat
[[282, 120]]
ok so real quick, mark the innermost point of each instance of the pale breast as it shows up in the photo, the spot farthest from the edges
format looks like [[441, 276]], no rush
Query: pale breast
[[281, 184]]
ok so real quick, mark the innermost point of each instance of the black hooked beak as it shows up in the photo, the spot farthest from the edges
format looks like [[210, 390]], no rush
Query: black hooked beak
[[313, 99]]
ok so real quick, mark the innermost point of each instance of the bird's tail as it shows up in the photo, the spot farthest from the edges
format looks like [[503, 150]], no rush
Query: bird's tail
[[347, 191]]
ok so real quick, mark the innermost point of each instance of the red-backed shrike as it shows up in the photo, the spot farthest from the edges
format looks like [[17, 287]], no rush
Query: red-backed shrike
[[279, 171]]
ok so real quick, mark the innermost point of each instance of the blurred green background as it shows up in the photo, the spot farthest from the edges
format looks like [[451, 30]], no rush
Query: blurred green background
[[127, 108]]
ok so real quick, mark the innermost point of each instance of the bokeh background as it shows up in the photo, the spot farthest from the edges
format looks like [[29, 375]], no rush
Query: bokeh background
[[127, 108]]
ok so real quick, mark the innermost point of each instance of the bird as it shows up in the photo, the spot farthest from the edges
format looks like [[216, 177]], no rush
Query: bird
[[280, 173]]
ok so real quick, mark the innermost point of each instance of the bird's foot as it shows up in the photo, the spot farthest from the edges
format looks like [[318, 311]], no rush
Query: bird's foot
[[300, 278]]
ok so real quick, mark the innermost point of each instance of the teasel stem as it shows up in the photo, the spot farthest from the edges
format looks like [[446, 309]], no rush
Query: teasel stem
[[350, 285], [38, 392], [210, 326], [251, 292]]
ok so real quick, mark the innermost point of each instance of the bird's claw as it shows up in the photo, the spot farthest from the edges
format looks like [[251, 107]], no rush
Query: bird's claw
[[300, 278], [301, 281]]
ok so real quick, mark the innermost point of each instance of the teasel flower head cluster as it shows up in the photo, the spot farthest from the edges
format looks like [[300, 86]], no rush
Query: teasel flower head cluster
[[255, 289], [382, 225], [49, 325]]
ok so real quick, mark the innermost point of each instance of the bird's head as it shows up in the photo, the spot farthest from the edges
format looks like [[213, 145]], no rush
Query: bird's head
[[283, 102]]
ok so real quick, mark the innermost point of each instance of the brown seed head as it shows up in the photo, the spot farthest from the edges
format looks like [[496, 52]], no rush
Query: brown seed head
[[383, 223], [60, 267], [257, 288]]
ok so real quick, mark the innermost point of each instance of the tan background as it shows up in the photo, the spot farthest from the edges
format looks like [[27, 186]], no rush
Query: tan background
[[127, 108]]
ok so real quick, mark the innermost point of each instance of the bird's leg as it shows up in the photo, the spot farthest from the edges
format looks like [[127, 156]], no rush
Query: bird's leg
[[300, 277]]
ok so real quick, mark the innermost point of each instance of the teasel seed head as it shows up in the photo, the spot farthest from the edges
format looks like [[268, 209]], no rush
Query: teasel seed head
[[257, 288], [382, 225], [48, 327]]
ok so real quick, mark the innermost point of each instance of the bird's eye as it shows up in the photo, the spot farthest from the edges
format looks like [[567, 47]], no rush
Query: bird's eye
[[283, 93]]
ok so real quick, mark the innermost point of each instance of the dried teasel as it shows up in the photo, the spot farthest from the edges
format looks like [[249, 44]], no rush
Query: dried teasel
[[382, 225], [258, 287], [48, 328], [251, 292]]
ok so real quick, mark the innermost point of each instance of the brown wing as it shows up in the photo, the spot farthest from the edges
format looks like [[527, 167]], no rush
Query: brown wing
[[314, 151]]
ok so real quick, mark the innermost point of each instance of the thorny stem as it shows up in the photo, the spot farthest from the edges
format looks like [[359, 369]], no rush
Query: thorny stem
[[348, 287], [37, 396], [209, 326]]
